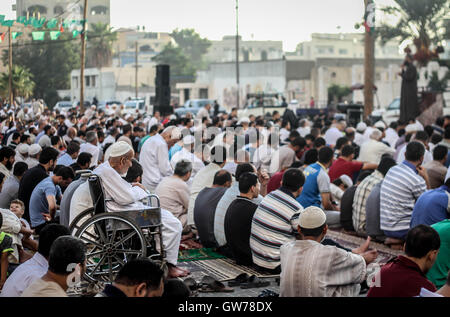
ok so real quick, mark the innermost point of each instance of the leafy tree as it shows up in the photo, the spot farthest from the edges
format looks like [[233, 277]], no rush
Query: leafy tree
[[180, 67], [192, 45], [336, 93], [22, 83], [50, 63], [420, 21], [100, 39]]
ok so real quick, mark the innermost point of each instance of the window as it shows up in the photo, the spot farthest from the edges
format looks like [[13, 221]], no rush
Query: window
[[75, 82], [246, 55], [343, 51], [99, 10], [264, 56], [58, 10], [187, 94], [87, 79], [324, 49], [37, 9], [93, 81], [203, 93]]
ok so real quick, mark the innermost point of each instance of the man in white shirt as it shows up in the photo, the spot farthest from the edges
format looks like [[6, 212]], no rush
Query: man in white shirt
[[204, 112], [34, 268], [154, 157], [91, 147], [372, 150], [422, 137], [186, 153], [335, 132], [392, 135]]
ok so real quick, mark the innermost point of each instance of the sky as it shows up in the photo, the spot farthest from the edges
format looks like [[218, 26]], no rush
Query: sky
[[290, 21]]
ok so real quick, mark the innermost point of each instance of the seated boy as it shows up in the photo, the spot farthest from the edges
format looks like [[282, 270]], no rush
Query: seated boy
[[5, 250]]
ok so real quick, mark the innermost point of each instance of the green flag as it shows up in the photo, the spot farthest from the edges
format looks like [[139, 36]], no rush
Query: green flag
[[54, 35], [75, 33], [2, 18], [22, 20], [16, 35], [8, 23], [38, 36], [38, 23], [53, 23]]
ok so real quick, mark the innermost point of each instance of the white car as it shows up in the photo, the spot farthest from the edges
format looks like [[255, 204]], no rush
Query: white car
[[137, 106], [390, 114], [63, 106]]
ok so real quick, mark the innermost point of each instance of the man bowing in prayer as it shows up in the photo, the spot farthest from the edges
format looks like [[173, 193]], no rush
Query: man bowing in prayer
[[126, 196]]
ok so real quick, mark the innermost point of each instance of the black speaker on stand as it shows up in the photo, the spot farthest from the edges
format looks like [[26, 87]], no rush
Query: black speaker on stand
[[162, 90]]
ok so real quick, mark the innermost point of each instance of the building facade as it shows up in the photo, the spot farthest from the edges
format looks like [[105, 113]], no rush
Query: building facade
[[98, 10]]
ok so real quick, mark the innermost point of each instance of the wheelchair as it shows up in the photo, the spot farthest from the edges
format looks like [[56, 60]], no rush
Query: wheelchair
[[114, 238]]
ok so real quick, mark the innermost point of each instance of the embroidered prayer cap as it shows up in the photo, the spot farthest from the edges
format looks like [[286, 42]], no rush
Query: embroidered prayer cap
[[120, 148], [23, 148], [361, 127], [312, 218], [34, 149]]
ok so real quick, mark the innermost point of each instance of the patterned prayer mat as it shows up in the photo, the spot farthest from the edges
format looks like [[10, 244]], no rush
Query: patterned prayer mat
[[198, 254], [349, 241], [221, 269]]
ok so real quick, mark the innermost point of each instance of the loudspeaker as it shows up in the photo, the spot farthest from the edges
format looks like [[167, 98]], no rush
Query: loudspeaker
[[162, 100], [162, 75]]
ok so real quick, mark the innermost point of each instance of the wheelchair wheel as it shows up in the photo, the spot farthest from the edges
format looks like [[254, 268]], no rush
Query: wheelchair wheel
[[78, 221], [111, 240]]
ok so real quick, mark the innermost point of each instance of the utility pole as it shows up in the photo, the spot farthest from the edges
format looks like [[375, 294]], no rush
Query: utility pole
[[83, 57], [237, 54], [10, 67], [136, 72], [369, 58]]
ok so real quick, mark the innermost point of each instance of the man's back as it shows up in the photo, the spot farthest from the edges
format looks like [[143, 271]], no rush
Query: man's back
[[154, 158], [30, 179], [400, 190], [38, 200], [400, 278], [310, 269], [64, 215], [438, 273], [42, 288], [274, 223], [204, 211], [10, 191], [317, 181]]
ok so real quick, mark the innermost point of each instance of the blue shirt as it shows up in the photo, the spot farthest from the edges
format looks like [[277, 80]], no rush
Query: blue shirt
[[65, 160], [317, 182], [38, 137], [174, 149], [411, 166], [432, 207], [38, 200]]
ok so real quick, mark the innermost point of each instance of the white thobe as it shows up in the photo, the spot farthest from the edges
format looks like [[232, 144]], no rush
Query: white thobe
[[154, 158], [184, 154]]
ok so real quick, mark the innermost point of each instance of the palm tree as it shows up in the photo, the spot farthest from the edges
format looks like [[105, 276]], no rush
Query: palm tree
[[100, 39], [421, 21], [22, 83]]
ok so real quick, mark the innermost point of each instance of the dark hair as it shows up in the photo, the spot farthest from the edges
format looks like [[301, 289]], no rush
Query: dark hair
[[126, 128], [221, 177], [134, 171], [48, 235], [422, 136], [218, 154], [414, 151], [1, 217], [175, 288], [48, 154], [436, 138], [294, 134], [19, 168], [246, 181], [310, 137], [6, 152], [24, 138], [15, 135], [243, 168], [325, 155], [315, 232], [140, 270], [340, 142], [439, 152], [54, 140], [311, 156], [65, 172], [299, 141], [347, 150], [84, 158], [296, 164], [47, 128], [386, 164], [73, 147], [182, 168], [319, 142], [293, 179], [429, 130], [447, 132], [420, 240], [65, 251], [363, 175]]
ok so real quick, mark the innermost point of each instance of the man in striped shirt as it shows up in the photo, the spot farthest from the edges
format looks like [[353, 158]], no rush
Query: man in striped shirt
[[275, 221], [401, 188], [363, 191]]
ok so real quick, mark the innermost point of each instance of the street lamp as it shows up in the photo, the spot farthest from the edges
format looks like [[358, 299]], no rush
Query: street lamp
[[237, 54]]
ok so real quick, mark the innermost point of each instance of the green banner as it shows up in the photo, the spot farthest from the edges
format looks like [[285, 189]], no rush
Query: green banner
[[2, 18], [38, 23], [51, 24], [38, 36], [75, 33], [8, 23], [54, 35], [16, 35]]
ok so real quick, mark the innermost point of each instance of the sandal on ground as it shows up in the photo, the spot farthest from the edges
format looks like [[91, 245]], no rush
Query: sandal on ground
[[215, 287], [192, 284], [238, 280], [254, 282]]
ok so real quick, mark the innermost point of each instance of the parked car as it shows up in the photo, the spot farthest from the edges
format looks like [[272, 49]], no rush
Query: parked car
[[194, 105], [261, 104], [63, 106], [137, 106]]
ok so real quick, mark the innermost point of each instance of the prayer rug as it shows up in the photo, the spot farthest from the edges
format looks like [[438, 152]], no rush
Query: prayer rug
[[198, 254], [350, 241], [221, 269]]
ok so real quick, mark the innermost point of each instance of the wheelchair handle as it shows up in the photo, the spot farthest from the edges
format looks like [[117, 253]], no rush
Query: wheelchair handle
[[154, 196]]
